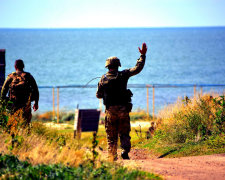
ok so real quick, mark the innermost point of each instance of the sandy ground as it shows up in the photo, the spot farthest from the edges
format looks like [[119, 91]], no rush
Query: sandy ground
[[64, 125], [208, 167]]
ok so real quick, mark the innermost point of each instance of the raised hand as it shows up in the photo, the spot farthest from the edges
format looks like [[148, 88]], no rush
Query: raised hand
[[143, 50]]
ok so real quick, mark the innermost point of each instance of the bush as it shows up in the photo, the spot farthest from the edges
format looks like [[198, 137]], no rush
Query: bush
[[193, 120]]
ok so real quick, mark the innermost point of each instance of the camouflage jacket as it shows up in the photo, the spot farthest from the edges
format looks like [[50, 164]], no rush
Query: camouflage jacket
[[19, 94], [113, 85]]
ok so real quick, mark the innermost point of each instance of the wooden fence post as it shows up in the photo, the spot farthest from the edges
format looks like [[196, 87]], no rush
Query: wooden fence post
[[57, 104], [147, 99], [153, 102], [194, 91], [53, 103]]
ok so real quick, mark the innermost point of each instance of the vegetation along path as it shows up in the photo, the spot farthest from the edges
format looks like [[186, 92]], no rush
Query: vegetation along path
[[207, 167]]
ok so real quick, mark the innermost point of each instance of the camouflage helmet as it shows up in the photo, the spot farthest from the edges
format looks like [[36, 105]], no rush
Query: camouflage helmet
[[112, 61]]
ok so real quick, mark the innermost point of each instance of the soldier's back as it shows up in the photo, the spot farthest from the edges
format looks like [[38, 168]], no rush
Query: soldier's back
[[20, 90]]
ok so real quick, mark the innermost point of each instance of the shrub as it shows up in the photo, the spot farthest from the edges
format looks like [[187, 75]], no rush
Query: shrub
[[192, 120]]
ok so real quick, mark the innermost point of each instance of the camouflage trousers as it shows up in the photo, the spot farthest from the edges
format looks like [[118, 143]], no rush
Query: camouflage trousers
[[117, 123], [25, 110]]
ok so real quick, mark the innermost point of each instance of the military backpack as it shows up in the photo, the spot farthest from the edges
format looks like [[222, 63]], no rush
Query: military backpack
[[20, 89]]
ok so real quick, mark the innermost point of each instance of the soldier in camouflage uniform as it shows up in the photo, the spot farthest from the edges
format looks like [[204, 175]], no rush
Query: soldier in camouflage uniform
[[117, 98], [22, 90]]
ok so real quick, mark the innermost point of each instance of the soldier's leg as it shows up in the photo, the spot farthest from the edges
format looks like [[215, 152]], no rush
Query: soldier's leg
[[111, 127], [124, 132], [27, 115]]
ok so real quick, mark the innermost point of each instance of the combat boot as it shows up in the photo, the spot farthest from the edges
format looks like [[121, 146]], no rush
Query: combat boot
[[124, 155]]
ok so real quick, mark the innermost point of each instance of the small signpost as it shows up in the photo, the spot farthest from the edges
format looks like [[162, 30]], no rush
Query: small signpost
[[85, 120], [2, 67]]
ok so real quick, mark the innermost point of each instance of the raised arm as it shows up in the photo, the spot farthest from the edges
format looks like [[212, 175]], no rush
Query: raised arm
[[140, 62]]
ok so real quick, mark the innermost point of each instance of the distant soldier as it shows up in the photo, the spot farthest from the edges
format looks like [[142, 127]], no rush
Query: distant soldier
[[117, 99], [151, 130], [22, 89]]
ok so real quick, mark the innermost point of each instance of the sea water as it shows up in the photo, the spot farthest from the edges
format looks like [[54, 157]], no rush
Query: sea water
[[57, 57]]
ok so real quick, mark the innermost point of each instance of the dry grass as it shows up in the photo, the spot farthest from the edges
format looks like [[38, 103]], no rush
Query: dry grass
[[180, 106], [189, 119], [45, 146]]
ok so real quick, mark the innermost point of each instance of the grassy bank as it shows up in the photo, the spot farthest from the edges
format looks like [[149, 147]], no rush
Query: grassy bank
[[189, 127]]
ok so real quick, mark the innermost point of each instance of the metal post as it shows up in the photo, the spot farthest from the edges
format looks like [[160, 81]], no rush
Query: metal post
[[201, 91], [147, 98], [53, 103], [57, 105], [153, 103]]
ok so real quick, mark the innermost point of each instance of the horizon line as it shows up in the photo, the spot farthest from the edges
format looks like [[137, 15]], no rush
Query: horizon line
[[149, 27]]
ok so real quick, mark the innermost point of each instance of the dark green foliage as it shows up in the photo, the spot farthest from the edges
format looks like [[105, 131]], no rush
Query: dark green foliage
[[94, 145], [68, 117], [220, 113], [61, 140], [5, 109], [216, 141], [12, 168]]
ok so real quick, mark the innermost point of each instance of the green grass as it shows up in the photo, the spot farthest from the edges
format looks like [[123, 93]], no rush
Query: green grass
[[159, 148], [12, 168]]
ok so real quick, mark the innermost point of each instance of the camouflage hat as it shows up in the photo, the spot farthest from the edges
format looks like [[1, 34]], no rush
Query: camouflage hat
[[112, 61]]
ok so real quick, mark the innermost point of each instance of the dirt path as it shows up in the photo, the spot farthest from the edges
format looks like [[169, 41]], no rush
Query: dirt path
[[208, 167]]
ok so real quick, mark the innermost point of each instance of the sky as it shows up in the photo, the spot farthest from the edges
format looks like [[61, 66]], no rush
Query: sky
[[111, 13]]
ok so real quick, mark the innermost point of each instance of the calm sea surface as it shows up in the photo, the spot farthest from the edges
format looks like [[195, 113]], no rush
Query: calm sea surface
[[75, 56]]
